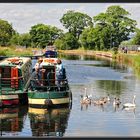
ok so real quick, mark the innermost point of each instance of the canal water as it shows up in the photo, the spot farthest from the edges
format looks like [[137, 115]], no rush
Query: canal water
[[101, 78]]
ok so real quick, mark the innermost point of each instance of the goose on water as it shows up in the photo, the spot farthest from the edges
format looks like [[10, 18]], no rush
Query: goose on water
[[133, 104], [99, 102], [116, 102], [108, 98], [86, 99]]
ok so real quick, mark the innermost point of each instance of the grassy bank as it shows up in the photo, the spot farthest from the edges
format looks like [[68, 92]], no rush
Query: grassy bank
[[14, 51], [131, 58]]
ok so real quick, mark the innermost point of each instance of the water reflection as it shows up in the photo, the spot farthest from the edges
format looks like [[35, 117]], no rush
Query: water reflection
[[69, 57], [48, 122], [85, 107], [78, 57], [116, 108], [12, 119], [112, 87], [101, 61]]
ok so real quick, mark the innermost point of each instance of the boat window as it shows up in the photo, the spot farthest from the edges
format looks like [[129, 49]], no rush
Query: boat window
[[6, 72]]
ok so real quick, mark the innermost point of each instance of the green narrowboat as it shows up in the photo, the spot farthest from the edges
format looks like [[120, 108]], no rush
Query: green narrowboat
[[14, 74], [49, 94]]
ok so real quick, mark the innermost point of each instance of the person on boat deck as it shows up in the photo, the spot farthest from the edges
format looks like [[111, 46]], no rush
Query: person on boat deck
[[39, 63], [59, 72], [36, 77]]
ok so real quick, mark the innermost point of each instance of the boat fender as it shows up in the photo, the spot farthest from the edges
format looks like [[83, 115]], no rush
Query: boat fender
[[48, 102]]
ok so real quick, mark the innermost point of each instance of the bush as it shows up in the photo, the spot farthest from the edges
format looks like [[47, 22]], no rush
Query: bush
[[115, 49], [2, 53]]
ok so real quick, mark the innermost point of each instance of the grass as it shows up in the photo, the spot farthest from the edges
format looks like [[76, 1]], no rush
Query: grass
[[14, 51]]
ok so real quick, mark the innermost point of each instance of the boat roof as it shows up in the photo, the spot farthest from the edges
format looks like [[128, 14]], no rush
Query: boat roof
[[14, 61], [52, 48], [49, 61]]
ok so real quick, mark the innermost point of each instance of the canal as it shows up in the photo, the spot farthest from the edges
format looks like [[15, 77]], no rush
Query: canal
[[101, 78]]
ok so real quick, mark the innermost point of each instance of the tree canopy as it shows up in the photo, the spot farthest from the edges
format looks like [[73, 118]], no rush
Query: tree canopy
[[6, 32], [75, 22], [43, 35], [67, 42], [108, 31], [116, 20]]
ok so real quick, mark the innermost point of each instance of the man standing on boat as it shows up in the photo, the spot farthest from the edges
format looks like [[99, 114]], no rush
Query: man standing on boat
[[60, 74], [38, 64], [35, 78]]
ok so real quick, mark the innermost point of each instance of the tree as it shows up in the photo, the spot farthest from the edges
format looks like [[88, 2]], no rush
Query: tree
[[21, 39], [94, 38], [43, 35], [75, 22], [118, 24], [25, 40], [87, 38], [136, 38], [67, 42], [15, 39], [54, 34], [59, 44], [6, 32], [40, 35]]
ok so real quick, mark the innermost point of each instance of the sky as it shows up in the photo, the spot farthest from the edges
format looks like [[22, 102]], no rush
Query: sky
[[24, 15]]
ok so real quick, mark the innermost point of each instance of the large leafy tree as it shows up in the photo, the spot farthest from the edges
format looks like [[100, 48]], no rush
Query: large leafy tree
[[6, 32], [75, 22], [95, 38], [39, 35], [43, 35], [118, 24]]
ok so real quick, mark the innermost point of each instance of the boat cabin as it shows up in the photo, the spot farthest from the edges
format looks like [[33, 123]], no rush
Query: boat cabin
[[14, 74], [48, 77]]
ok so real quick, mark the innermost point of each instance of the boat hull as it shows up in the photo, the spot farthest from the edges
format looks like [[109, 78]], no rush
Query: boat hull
[[8, 100], [13, 100], [49, 99]]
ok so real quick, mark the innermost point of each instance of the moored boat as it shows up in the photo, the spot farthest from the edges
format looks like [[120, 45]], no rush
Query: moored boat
[[50, 52], [14, 74], [49, 93]]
